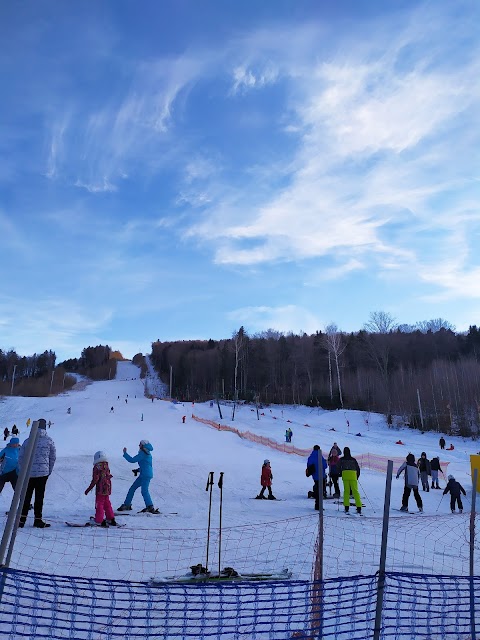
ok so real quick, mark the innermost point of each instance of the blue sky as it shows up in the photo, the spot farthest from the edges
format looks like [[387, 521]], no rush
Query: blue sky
[[174, 170]]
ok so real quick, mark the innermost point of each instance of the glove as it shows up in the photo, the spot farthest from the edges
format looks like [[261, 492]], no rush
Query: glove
[[135, 472], [396, 477], [86, 492]]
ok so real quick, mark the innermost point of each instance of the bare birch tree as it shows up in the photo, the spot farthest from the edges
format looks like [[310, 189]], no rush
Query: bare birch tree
[[335, 343]]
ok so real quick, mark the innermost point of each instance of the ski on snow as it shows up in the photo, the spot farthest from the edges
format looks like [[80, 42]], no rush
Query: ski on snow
[[411, 512], [93, 525], [285, 574]]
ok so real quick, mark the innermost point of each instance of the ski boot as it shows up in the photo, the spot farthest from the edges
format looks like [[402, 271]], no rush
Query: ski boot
[[125, 507], [271, 497], [359, 510], [112, 523], [22, 521], [347, 509], [402, 508], [420, 509], [40, 524], [453, 510], [260, 497], [149, 509]]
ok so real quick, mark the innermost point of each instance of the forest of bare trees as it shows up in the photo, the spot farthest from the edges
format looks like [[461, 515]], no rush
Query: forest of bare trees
[[427, 376]]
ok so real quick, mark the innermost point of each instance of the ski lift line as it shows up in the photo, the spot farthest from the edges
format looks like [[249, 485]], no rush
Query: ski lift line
[[372, 461]]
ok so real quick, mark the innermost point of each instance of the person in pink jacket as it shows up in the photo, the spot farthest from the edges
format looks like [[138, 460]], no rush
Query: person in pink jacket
[[101, 480]]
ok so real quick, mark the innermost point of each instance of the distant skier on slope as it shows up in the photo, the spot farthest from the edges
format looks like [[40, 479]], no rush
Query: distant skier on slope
[[145, 462], [455, 488], [412, 476]]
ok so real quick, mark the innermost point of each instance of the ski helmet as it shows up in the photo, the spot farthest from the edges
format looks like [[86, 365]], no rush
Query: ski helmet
[[451, 477], [266, 462], [100, 456]]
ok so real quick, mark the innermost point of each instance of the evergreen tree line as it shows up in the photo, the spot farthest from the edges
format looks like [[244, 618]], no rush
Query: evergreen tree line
[[38, 375], [426, 376]]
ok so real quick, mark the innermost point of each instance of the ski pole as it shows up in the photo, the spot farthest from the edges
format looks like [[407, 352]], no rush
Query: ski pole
[[209, 484], [443, 495], [220, 486], [367, 496]]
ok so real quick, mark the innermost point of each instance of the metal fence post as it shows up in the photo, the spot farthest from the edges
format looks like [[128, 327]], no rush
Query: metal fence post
[[383, 553], [473, 633], [11, 526]]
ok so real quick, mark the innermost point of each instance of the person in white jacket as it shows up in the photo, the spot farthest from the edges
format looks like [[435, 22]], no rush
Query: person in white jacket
[[44, 458], [412, 476]]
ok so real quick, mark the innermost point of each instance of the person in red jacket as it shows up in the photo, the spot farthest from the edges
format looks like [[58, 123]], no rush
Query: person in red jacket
[[266, 481]]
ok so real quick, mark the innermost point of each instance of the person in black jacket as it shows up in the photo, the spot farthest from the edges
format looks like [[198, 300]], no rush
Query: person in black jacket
[[435, 468], [441, 442], [424, 467], [455, 488]]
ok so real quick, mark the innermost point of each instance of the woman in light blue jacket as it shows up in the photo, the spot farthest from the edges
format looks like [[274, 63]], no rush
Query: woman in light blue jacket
[[145, 463]]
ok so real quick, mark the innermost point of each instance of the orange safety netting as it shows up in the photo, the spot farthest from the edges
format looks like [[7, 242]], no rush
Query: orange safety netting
[[365, 460]]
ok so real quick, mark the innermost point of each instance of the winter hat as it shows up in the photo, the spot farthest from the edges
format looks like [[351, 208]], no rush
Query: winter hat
[[100, 456], [42, 423], [423, 454], [143, 443], [451, 478], [266, 462], [346, 452], [411, 458], [14, 441]]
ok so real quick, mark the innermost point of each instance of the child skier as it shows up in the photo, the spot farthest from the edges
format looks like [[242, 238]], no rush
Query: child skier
[[9, 463], [101, 480], [454, 487], [266, 481], [144, 460]]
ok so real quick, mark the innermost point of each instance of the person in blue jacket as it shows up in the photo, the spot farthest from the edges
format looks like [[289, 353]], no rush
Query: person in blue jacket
[[145, 463], [9, 463], [312, 470]]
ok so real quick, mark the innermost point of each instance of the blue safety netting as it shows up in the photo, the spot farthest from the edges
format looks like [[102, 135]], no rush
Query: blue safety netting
[[416, 606]]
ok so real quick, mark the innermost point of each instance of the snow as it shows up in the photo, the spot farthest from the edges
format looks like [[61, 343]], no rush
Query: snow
[[257, 534]]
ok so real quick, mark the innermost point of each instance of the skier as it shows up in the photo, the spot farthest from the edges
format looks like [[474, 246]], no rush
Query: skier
[[333, 460], [412, 476], [335, 450], [312, 470], [266, 481], [44, 458], [28, 422], [350, 471], [423, 465], [288, 435], [435, 467], [112, 410], [14, 430], [455, 488], [69, 410], [442, 442], [144, 460], [101, 480], [9, 464], [6, 433]]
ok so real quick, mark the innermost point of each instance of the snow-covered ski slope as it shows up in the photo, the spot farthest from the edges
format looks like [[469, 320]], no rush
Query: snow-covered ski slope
[[185, 453]]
